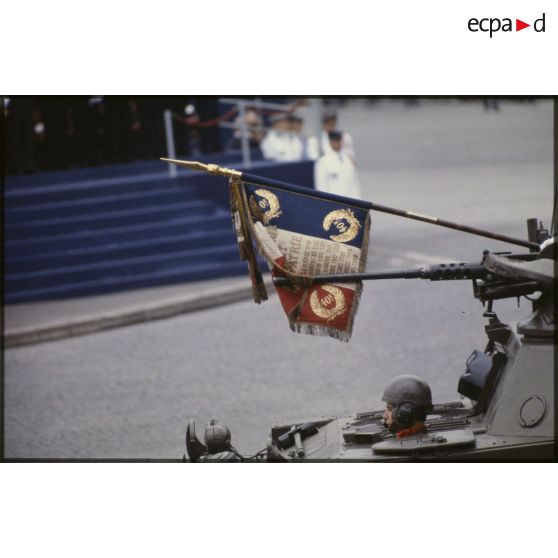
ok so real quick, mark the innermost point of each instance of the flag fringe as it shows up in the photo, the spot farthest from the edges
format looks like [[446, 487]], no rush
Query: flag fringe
[[241, 220], [319, 330]]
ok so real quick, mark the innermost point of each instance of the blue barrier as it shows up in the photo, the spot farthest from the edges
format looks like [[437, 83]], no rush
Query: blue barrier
[[92, 231], [150, 278]]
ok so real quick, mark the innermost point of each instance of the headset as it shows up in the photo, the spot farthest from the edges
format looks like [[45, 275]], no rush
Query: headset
[[406, 414]]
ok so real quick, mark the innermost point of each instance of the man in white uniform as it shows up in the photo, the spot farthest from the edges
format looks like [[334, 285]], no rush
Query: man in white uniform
[[279, 144], [335, 172], [306, 147], [329, 124]]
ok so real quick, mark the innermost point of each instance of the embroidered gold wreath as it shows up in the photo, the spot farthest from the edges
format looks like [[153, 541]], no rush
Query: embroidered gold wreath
[[318, 304], [345, 222], [268, 200]]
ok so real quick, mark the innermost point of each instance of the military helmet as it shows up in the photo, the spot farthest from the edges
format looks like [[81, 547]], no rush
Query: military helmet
[[408, 389], [217, 437]]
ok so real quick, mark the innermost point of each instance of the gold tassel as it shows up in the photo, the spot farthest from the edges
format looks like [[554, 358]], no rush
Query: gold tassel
[[235, 214], [241, 220]]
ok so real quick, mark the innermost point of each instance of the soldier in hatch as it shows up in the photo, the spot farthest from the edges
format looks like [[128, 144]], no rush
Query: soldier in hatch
[[409, 400]]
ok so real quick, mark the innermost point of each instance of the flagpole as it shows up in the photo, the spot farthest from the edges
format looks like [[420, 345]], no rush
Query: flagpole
[[280, 185]]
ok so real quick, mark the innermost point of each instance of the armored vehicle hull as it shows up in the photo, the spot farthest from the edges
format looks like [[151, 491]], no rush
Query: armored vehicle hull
[[507, 408]]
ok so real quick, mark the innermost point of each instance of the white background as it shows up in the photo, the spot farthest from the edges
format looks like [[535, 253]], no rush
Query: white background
[[288, 47]]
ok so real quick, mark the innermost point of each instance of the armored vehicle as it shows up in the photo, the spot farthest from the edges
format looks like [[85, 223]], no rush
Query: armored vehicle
[[506, 409]]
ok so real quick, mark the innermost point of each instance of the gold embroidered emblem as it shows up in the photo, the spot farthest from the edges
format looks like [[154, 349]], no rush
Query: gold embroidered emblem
[[267, 207], [322, 306], [345, 222]]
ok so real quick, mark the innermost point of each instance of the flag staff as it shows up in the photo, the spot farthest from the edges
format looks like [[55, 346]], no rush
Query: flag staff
[[280, 185]]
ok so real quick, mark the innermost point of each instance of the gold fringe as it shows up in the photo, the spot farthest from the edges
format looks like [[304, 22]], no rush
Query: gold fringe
[[235, 214], [242, 221]]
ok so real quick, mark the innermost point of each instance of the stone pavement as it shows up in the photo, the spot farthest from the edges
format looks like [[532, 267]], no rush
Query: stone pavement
[[36, 322]]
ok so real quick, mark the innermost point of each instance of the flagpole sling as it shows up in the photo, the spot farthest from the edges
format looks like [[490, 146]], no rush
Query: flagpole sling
[[280, 185]]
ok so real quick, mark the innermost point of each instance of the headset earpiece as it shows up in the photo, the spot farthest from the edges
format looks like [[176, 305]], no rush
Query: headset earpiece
[[406, 414]]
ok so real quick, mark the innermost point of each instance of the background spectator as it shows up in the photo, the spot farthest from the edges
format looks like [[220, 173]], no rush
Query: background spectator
[[276, 145], [329, 124], [254, 125], [307, 147], [335, 172]]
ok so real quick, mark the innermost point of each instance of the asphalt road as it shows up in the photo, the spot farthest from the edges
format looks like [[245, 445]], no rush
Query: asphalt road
[[127, 393]]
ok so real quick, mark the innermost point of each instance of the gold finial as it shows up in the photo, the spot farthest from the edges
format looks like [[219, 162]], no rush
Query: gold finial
[[211, 169]]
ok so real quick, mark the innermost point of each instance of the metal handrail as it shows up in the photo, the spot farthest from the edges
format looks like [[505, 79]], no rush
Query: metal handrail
[[256, 103], [242, 105]]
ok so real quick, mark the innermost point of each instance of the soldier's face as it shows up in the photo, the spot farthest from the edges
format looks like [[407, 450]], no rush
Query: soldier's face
[[281, 125], [335, 145], [388, 416], [329, 125], [296, 127]]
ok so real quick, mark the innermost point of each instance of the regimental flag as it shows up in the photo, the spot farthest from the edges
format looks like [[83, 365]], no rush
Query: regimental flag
[[301, 236]]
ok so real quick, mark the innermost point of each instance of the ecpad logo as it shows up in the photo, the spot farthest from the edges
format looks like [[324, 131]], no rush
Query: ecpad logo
[[493, 25]]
